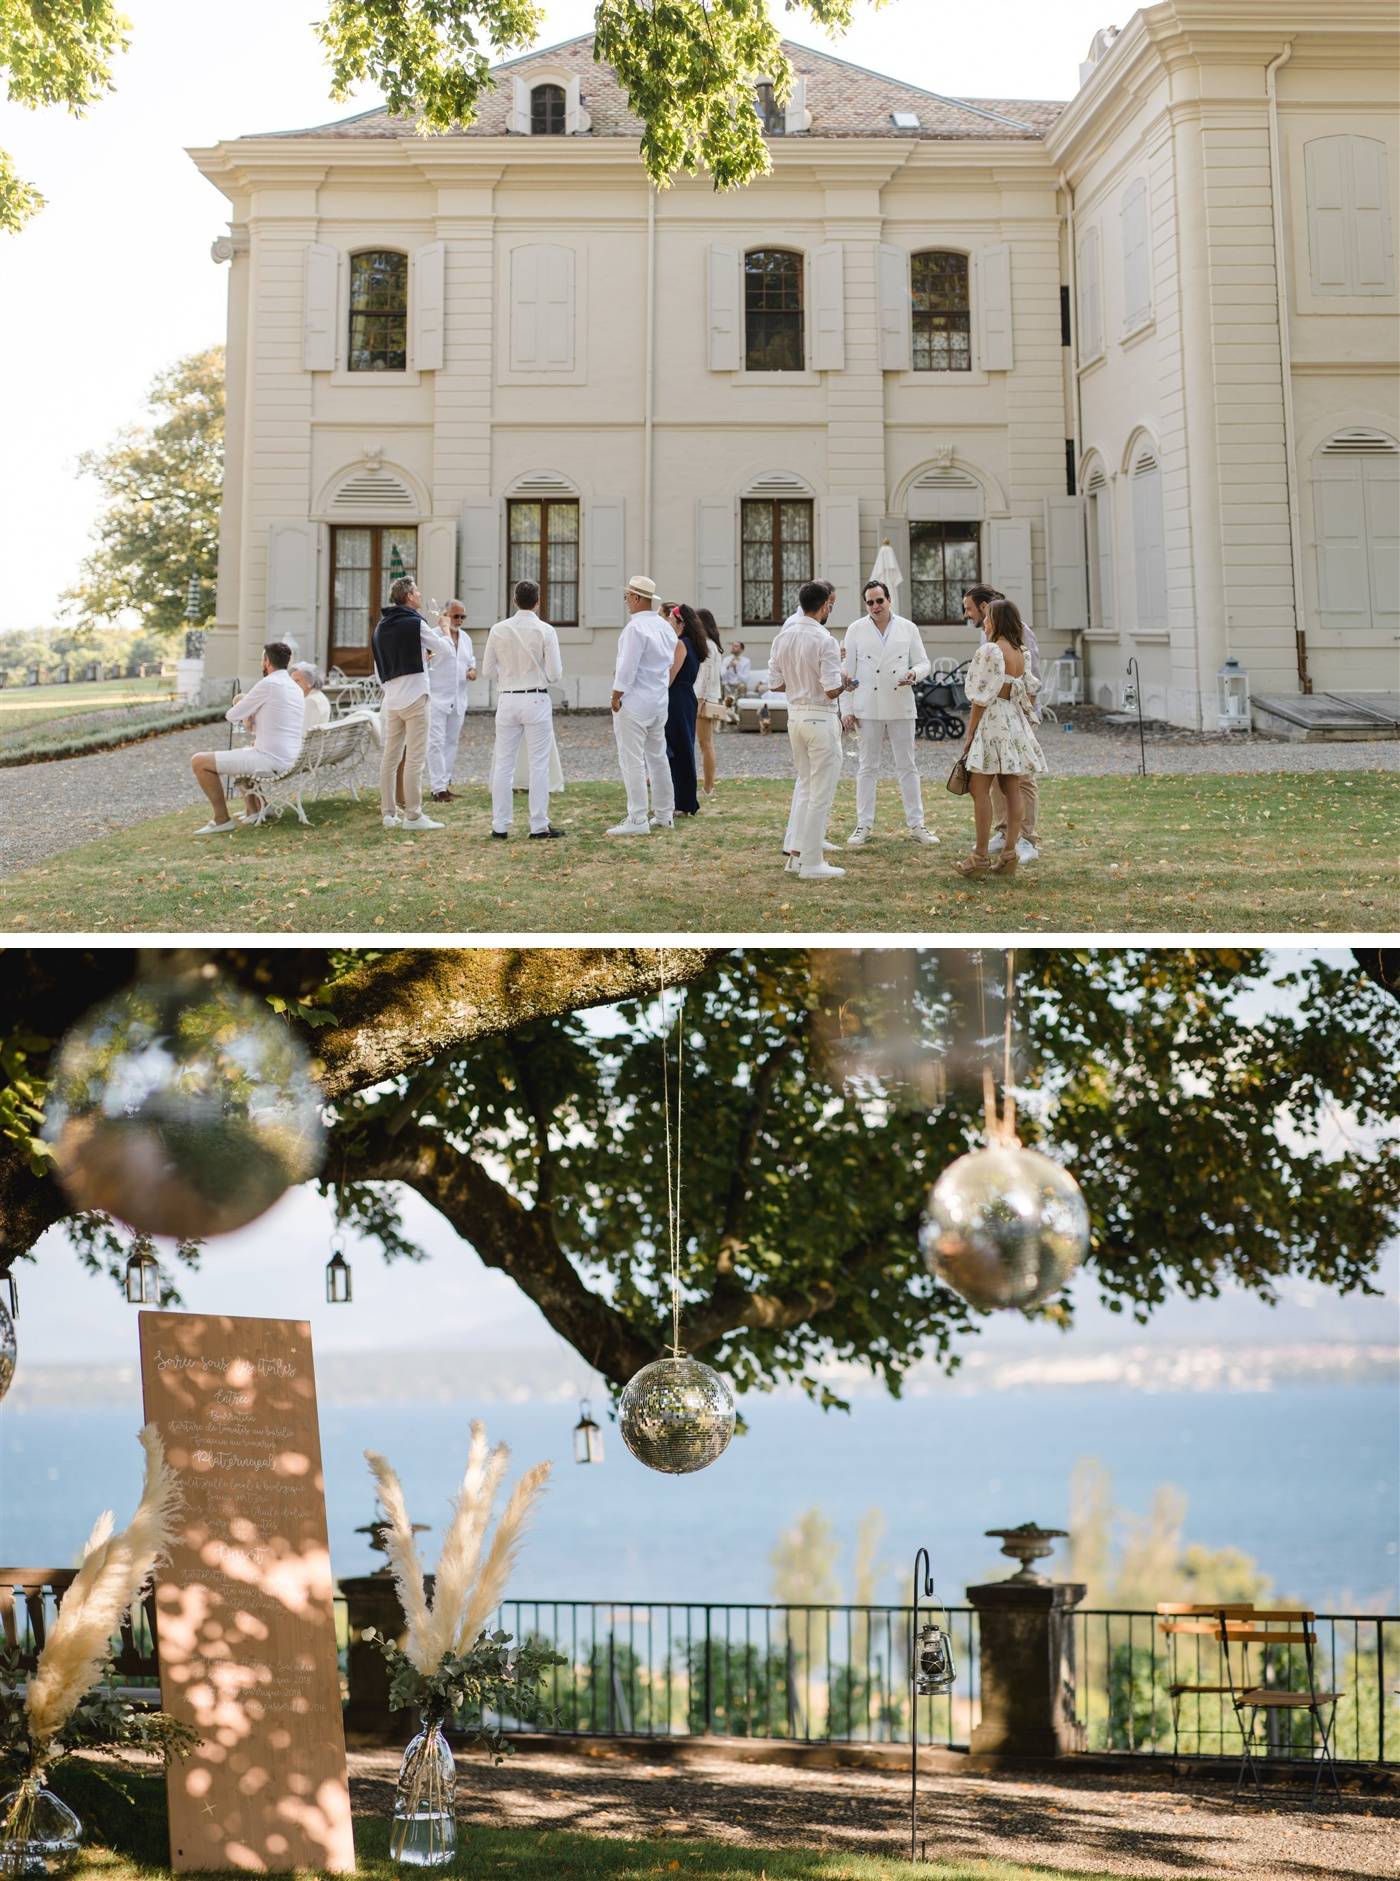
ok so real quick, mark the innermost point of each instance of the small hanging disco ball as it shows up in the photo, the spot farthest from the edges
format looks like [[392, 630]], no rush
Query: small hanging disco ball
[[183, 1107], [9, 1349], [676, 1416], [1005, 1227]]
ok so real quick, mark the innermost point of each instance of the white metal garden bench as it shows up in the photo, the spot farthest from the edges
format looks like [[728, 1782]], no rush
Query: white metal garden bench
[[338, 753]]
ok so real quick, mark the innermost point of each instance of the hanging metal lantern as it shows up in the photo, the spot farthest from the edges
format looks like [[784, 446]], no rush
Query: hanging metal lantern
[[339, 1286], [1005, 1227], [9, 1349], [142, 1275], [183, 1107], [934, 1659], [676, 1416], [588, 1439]]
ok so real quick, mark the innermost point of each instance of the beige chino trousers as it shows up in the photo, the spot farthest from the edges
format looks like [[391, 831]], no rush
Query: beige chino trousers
[[406, 737]]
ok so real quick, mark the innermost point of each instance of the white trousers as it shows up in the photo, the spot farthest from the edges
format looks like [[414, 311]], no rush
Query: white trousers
[[641, 757], [527, 715], [873, 732], [443, 733], [815, 738]]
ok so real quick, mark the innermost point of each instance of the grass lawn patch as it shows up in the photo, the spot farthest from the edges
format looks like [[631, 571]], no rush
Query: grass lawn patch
[[1310, 851], [59, 738], [23, 706]]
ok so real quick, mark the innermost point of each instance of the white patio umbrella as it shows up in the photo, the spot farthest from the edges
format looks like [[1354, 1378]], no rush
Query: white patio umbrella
[[887, 569]]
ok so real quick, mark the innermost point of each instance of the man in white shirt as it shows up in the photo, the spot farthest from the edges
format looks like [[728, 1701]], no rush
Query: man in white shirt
[[522, 656], [805, 663], [736, 675], [403, 643], [274, 710], [796, 613], [452, 666], [885, 655], [976, 600], [649, 655]]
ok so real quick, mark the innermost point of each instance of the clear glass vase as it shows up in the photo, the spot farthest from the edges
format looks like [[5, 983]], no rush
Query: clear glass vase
[[39, 1834], [423, 1833]]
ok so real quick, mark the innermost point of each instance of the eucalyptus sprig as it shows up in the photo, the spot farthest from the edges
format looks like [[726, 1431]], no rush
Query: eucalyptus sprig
[[491, 1675]]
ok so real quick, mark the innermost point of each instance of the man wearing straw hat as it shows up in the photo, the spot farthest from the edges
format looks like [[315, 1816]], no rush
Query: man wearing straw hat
[[885, 655], [649, 655]]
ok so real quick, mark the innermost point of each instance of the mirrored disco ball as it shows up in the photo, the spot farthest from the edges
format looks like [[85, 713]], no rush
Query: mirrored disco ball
[[676, 1415], [183, 1107], [9, 1349], [1004, 1227]]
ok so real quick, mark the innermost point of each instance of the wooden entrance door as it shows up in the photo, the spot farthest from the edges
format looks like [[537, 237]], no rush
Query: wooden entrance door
[[363, 565]]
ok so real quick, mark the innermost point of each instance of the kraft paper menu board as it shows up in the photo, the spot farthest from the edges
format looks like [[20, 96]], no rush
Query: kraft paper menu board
[[244, 1606]]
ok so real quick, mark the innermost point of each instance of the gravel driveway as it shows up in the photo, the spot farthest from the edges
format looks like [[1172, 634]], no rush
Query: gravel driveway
[[47, 808], [1134, 1825]]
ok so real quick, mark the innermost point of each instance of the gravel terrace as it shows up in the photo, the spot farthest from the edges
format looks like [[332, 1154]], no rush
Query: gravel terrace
[[1134, 1825], [47, 808]]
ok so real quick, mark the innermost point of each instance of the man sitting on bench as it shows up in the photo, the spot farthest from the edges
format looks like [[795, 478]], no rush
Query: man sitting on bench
[[275, 713]]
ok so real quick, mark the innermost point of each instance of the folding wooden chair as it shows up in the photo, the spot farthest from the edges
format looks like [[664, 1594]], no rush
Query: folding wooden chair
[[1287, 1627], [1182, 1622]]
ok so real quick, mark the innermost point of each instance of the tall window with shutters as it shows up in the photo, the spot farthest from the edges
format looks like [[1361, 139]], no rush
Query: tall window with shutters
[[777, 557], [365, 560], [1351, 248], [942, 312], [773, 311], [543, 546], [1099, 530], [378, 339], [1149, 544], [1137, 257], [1090, 282], [945, 560]]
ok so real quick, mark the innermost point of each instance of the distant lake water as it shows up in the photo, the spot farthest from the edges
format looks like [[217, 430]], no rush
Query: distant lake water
[[1304, 1478]]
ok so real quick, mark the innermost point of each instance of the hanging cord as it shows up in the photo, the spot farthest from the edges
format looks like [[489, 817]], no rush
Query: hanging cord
[[1001, 1125], [673, 1156]]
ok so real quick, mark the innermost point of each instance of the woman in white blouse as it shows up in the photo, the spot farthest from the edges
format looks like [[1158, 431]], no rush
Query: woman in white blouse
[[1001, 742], [709, 693]]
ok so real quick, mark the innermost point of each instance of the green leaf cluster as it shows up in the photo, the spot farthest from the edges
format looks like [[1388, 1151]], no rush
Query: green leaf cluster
[[487, 1677], [102, 1720], [53, 52]]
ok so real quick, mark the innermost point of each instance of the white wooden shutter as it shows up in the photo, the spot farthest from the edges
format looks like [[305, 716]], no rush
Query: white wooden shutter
[[1149, 549], [426, 298], [1339, 515], [1373, 263], [481, 564], [1066, 569], [1381, 484], [291, 583], [322, 285], [604, 552], [797, 117], [1090, 298], [542, 308], [995, 348], [1009, 558], [841, 560], [437, 562], [1099, 516], [714, 557], [518, 121], [576, 119], [829, 308], [896, 311], [725, 290], [1137, 273]]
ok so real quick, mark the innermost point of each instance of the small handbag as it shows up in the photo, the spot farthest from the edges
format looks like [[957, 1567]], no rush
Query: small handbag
[[958, 781]]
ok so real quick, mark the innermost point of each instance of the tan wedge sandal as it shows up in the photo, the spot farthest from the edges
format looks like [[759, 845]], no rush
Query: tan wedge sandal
[[1006, 863], [974, 865]]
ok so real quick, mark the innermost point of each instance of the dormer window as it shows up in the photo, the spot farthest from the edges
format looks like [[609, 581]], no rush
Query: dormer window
[[770, 112], [905, 120], [547, 111]]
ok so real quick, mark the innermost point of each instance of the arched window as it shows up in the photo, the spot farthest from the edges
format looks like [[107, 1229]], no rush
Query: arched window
[[1356, 500], [942, 313], [773, 311], [378, 311], [547, 111], [1149, 544]]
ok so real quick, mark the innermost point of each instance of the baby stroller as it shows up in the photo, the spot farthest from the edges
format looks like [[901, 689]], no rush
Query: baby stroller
[[938, 701]]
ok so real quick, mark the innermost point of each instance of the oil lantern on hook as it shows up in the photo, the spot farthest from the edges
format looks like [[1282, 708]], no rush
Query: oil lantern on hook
[[338, 1280], [936, 1670], [588, 1438], [142, 1275]]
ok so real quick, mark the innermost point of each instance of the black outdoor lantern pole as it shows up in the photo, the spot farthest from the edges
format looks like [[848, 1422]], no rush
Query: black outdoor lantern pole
[[339, 1290], [142, 1275], [931, 1670], [588, 1439]]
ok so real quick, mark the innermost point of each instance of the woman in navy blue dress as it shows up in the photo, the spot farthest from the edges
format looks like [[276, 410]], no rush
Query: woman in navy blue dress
[[680, 709]]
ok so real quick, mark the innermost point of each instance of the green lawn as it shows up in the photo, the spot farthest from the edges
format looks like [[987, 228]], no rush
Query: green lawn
[[23, 707], [1292, 852]]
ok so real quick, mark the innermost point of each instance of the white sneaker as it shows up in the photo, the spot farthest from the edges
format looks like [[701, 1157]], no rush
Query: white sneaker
[[1026, 851], [997, 844], [392, 822], [827, 845], [823, 872], [921, 834], [860, 834], [663, 822], [628, 828], [420, 822], [211, 828]]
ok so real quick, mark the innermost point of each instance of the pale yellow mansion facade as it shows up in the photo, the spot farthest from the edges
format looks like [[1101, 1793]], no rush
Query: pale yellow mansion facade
[[1132, 358]]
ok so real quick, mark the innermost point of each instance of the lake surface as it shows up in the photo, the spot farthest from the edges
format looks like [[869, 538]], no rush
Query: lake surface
[[1303, 1478]]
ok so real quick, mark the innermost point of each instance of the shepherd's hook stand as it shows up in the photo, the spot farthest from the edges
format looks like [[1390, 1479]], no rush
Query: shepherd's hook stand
[[931, 1670]]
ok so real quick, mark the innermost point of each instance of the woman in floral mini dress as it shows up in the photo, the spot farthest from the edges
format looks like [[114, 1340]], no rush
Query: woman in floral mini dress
[[1001, 742]]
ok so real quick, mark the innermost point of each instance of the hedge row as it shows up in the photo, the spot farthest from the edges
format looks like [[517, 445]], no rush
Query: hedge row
[[83, 744]]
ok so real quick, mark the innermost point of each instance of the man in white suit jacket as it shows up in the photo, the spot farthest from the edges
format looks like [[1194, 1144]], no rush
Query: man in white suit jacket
[[884, 654]]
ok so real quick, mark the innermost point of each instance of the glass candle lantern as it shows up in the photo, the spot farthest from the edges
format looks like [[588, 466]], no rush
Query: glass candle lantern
[[1232, 696], [588, 1438], [142, 1275], [934, 1658], [339, 1288]]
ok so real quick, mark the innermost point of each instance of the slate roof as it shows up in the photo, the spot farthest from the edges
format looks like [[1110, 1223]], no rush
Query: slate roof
[[845, 101]]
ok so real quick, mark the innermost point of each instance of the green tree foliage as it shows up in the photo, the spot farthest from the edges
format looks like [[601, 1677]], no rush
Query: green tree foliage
[[162, 485], [53, 52]]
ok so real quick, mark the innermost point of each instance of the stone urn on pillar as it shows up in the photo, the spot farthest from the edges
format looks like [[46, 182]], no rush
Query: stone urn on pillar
[[1026, 1630], [372, 1601]]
